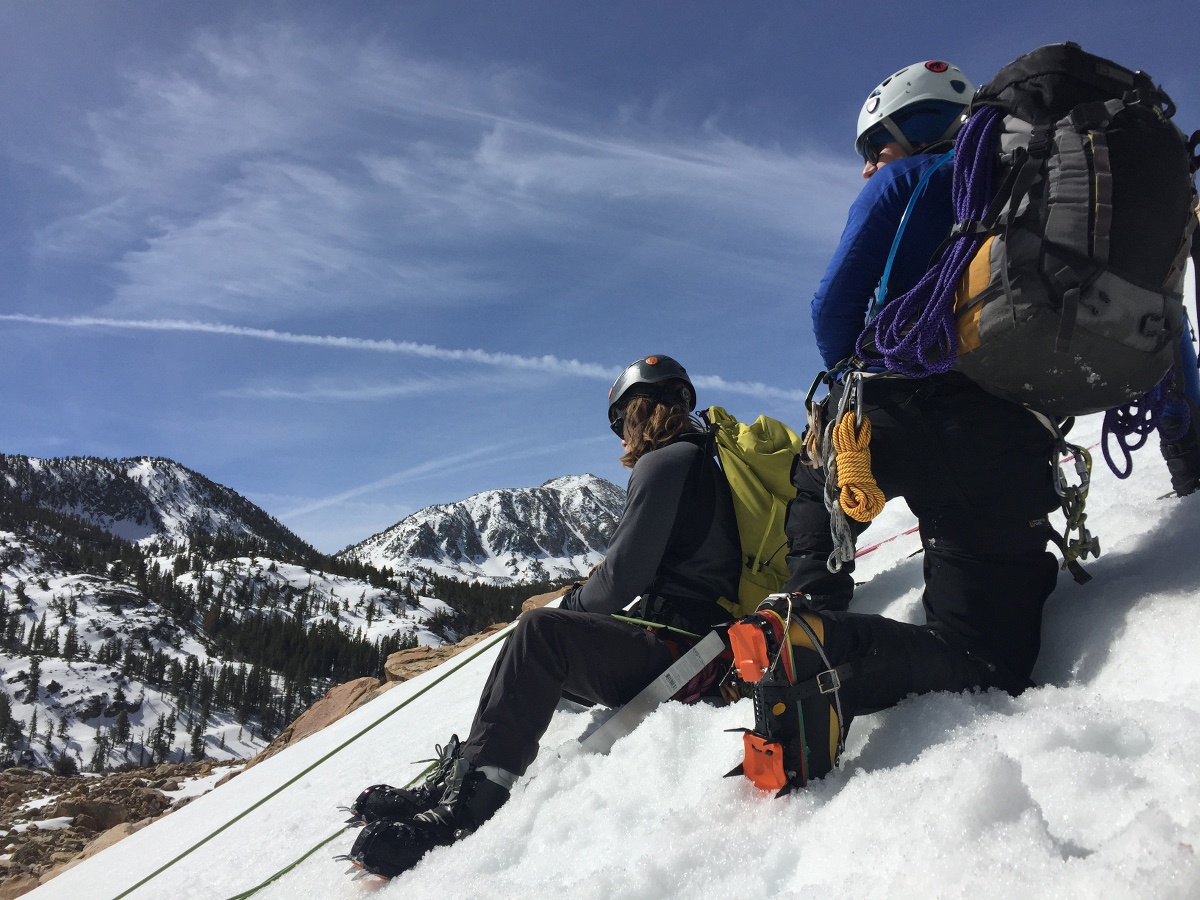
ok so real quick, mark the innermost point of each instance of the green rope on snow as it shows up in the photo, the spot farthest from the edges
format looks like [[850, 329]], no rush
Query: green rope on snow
[[337, 834], [196, 846], [254, 890]]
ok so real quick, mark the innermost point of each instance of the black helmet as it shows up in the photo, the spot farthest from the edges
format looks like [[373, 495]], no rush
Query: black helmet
[[648, 377]]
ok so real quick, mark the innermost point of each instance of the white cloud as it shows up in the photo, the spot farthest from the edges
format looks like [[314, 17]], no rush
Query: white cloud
[[547, 363], [271, 172], [327, 392]]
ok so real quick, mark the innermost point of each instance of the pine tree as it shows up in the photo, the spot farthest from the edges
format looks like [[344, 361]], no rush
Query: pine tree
[[99, 760], [197, 743], [160, 744], [70, 643], [35, 677], [39, 635], [121, 729]]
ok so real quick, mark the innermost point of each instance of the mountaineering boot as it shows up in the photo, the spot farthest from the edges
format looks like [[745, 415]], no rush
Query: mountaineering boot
[[799, 727], [382, 801], [1182, 453], [471, 797]]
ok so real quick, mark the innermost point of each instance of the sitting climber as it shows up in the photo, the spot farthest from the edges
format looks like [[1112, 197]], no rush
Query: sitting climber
[[675, 546]]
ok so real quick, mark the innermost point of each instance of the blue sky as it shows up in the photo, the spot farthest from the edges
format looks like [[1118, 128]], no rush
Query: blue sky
[[354, 259]]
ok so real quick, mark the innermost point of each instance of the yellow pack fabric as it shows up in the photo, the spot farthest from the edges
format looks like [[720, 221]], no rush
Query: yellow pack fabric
[[757, 460]]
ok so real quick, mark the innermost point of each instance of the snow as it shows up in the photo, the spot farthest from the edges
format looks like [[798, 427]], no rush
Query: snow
[[343, 601], [200, 784], [502, 569], [486, 537], [56, 824], [1087, 786], [38, 803]]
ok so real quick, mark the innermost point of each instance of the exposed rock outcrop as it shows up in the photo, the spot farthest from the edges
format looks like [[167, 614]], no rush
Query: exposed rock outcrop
[[406, 664], [340, 700], [345, 698], [54, 822]]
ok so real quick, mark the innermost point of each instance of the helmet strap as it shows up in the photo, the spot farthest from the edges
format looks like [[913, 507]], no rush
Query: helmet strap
[[951, 130], [894, 130]]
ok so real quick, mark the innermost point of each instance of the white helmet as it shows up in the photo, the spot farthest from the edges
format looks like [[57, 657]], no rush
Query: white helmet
[[920, 104]]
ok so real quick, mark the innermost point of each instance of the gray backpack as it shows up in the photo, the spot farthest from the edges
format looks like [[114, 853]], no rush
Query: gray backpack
[[1073, 304]]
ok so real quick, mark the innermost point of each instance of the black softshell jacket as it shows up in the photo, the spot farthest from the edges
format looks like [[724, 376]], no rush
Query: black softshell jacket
[[678, 535]]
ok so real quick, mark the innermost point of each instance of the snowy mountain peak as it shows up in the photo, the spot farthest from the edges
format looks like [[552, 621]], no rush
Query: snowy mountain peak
[[558, 530], [141, 498]]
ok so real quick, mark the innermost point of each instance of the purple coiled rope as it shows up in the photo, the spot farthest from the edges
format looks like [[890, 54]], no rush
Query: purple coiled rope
[[1131, 425], [915, 334]]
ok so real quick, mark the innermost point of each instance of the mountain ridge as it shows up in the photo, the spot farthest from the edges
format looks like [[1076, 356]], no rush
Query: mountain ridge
[[142, 498], [557, 530]]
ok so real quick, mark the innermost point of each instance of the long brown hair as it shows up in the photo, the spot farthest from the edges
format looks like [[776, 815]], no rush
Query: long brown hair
[[652, 423]]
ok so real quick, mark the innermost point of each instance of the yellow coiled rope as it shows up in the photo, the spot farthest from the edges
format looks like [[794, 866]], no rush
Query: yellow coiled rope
[[860, 496]]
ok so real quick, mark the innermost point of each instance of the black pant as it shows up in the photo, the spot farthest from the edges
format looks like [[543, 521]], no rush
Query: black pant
[[552, 652], [975, 470]]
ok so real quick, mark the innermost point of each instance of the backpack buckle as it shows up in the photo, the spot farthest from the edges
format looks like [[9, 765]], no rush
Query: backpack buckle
[[828, 682]]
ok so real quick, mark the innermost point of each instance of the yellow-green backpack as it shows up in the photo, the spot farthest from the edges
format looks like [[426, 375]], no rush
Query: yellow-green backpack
[[757, 461]]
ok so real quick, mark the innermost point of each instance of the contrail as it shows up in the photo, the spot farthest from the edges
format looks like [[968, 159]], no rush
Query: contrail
[[546, 363], [408, 348]]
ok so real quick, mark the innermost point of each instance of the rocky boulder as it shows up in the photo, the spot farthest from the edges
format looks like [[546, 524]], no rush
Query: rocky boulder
[[341, 699], [406, 664]]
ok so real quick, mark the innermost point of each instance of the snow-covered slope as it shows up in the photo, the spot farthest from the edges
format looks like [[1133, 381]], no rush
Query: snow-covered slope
[[1085, 787], [183, 642], [112, 625], [559, 530], [140, 499]]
